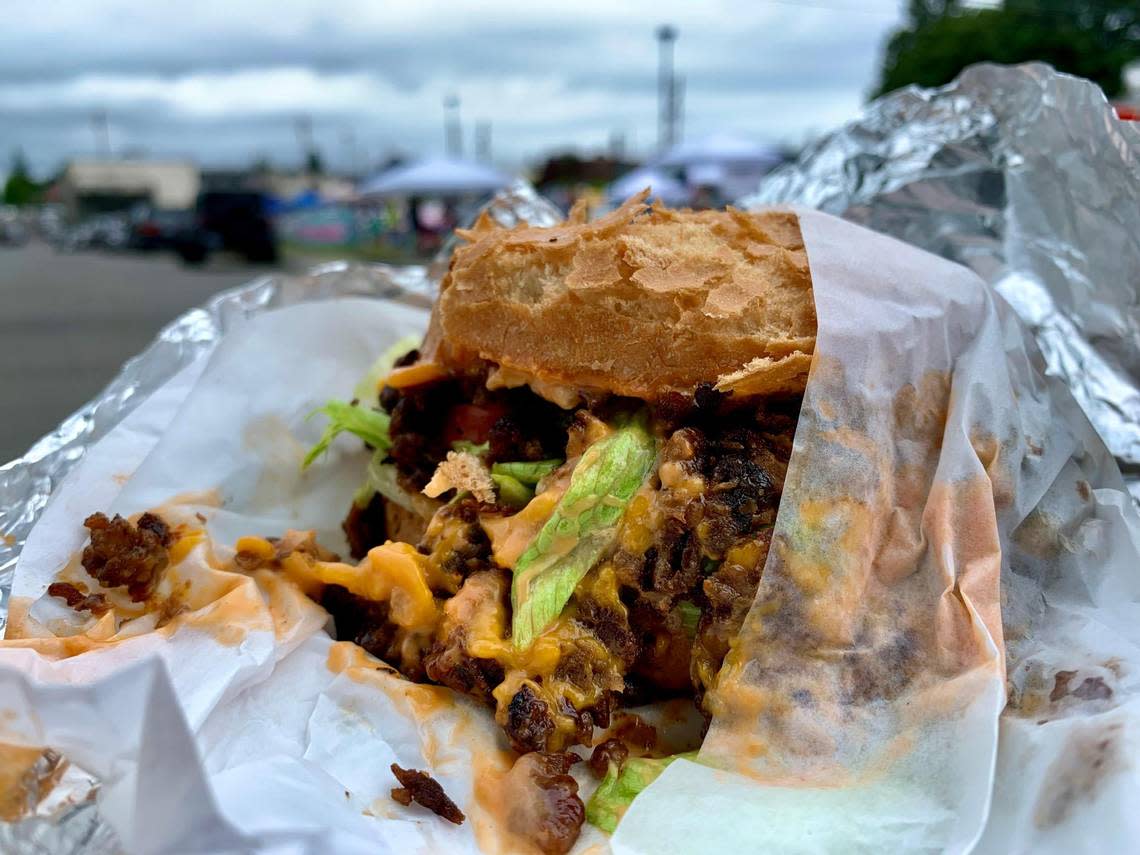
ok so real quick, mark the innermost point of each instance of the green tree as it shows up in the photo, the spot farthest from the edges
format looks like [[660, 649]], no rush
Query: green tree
[[20, 189], [1089, 38]]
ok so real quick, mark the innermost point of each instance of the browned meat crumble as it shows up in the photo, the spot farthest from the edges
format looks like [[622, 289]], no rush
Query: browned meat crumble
[[422, 788], [78, 599], [125, 554]]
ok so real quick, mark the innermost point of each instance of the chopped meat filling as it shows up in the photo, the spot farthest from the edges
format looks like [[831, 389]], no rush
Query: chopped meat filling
[[78, 599], [422, 788], [652, 620], [365, 527], [516, 424], [610, 754], [125, 554]]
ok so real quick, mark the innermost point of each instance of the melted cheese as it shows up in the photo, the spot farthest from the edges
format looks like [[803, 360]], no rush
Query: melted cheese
[[258, 546], [394, 573], [414, 375], [181, 547]]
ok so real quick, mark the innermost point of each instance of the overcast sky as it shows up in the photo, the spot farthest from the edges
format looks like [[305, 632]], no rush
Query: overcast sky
[[224, 82]]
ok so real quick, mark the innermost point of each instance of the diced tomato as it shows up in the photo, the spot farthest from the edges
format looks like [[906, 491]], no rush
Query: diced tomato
[[472, 422]]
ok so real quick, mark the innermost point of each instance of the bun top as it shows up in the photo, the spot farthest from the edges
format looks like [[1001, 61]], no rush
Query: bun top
[[641, 302]]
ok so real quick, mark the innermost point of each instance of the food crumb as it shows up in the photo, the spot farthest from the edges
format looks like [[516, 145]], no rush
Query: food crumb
[[420, 787], [78, 599]]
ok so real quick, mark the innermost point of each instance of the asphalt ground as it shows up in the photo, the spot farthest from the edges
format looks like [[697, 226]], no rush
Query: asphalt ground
[[68, 321]]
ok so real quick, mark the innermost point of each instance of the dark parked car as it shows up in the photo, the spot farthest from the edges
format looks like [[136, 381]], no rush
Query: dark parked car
[[152, 229], [232, 221]]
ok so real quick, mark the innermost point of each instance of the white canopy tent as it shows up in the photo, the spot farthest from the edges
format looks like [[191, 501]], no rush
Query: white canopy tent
[[732, 164], [437, 176], [662, 187], [720, 149]]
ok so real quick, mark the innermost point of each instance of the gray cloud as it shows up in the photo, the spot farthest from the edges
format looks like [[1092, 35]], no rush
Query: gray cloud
[[209, 84]]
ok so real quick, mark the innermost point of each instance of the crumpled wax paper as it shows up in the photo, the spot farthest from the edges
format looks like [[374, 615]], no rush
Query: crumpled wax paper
[[860, 712], [943, 497]]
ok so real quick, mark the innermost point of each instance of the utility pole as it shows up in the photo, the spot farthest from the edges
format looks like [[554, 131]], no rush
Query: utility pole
[[101, 127], [617, 145], [304, 127], [666, 88], [452, 132], [348, 137], [483, 141]]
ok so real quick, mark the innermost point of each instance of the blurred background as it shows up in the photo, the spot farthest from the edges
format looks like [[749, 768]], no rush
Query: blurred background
[[152, 154]]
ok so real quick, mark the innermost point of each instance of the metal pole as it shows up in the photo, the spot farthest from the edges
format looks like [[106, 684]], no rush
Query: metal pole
[[101, 126], [483, 141], [452, 132], [666, 88]]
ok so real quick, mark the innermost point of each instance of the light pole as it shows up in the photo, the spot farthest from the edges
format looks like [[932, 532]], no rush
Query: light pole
[[452, 133], [101, 126], [666, 87]]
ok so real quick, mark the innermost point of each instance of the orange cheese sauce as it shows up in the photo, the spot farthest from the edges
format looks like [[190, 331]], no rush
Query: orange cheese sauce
[[490, 822]]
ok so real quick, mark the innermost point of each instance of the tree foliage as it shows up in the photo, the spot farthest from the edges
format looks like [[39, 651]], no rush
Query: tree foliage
[[20, 189], [1089, 38]]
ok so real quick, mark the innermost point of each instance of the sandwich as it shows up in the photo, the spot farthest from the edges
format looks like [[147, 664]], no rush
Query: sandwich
[[582, 462], [573, 482]]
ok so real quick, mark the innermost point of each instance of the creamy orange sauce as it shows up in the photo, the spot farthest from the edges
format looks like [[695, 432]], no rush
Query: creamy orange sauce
[[423, 702], [490, 822]]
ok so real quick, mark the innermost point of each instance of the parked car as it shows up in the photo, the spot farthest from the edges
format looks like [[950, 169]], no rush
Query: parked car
[[103, 231], [233, 221], [152, 229], [13, 232]]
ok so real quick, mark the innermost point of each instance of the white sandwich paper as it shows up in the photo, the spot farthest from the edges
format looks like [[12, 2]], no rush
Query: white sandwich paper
[[969, 534]]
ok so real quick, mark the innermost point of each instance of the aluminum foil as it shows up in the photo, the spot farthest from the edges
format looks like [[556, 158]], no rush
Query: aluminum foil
[[1021, 173], [1026, 176]]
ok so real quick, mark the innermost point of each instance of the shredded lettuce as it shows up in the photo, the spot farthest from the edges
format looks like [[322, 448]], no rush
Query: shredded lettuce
[[581, 529], [526, 472], [690, 614], [512, 492], [617, 791], [516, 481], [476, 448], [368, 424], [368, 389], [382, 478]]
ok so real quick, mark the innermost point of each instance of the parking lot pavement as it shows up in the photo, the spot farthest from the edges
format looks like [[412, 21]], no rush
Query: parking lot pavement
[[69, 321]]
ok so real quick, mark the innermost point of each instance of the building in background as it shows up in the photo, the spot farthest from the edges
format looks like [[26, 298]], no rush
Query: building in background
[[98, 186]]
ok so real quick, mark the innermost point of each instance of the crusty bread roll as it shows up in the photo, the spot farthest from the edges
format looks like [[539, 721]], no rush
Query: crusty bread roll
[[639, 303]]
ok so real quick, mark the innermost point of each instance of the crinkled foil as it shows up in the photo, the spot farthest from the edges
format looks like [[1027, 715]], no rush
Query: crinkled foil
[[1023, 174], [1026, 176]]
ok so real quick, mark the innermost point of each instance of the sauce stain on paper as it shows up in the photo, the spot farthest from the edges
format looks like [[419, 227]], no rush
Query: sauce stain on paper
[[1093, 755]]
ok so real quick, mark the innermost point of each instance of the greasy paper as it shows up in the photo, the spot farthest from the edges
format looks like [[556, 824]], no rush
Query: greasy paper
[[860, 712]]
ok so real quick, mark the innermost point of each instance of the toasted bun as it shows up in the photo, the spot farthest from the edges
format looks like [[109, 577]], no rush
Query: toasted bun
[[639, 303]]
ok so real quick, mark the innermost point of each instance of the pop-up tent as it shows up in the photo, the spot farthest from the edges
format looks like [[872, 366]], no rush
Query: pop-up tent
[[662, 187], [732, 164], [437, 176]]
